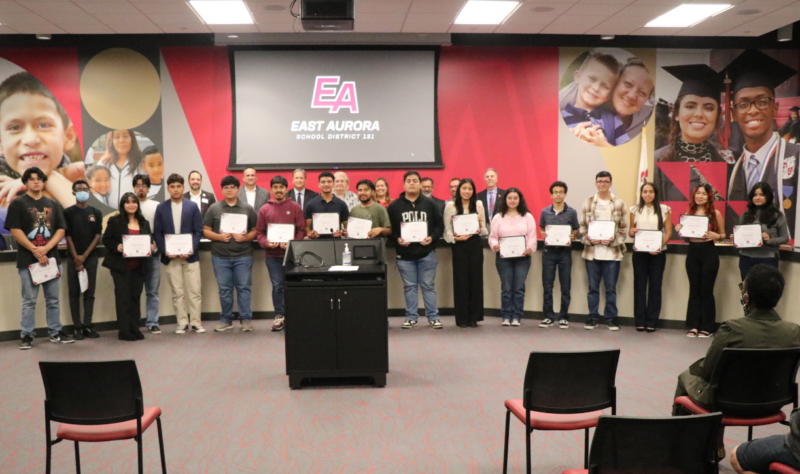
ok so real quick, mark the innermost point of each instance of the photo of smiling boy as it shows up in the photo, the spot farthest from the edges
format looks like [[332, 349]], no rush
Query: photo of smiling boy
[[153, 166]]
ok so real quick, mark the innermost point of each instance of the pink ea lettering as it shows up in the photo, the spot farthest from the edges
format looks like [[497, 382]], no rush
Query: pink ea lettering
[[327, 95]]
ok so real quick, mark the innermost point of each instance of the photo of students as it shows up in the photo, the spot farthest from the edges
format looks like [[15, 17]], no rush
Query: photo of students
[[761, 209], [153, 166], [123, 159]]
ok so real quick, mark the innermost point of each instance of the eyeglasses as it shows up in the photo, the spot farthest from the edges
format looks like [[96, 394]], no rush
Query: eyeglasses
[[761, 104], [141, 186], [229, 188], [603, 182]]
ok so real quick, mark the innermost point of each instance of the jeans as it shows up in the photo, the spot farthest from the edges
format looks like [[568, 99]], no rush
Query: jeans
[[420, 272], [747, 263], [648, 274], [275, 268], [152, 280], [233, 273], [30, 293], [513, 273], [75, 295], [608, 271], [561, 259]]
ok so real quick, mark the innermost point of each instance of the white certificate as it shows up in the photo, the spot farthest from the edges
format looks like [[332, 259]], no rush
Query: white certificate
[[511, 247], [601, 230], [747, 236], [358, 228], [179, 244], [233, 224], [466, 224], [83, 279], [280, 233], [41, 274], [558, 235], [325, 222], [414, 231], [694, 226], [134, 246], [648, 241]]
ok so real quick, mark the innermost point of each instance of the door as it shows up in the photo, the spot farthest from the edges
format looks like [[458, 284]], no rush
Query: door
[[310, 329], [363, 339]]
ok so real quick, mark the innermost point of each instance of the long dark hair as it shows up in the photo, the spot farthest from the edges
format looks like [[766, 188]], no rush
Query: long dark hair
[[123, 214], [656, 204], [709, 206], [769, 212], [675, 132], [111, 156], [522, 207], [473, 206]]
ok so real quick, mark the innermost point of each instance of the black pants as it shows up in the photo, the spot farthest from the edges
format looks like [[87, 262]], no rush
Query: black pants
[[74, 286], [702, 266], [648, 273], [747, 263], [468, 280], [128, 288]]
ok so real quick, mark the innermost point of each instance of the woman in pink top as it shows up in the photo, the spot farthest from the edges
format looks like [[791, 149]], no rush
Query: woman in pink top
[[513, 219]]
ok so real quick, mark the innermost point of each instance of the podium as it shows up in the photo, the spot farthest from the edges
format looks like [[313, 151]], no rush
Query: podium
[[336, 322]]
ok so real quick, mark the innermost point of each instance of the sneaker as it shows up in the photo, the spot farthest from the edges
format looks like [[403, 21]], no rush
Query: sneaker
[[546, 323], [222, 326], [438, 324], [247, 325], [26, 343], [199, 329], [279, 323], [612, 325], [515, 322], [591, 323], [154, 330], [506, 322], [408, 324], [62, 338], [90, 332], [563, 324], [78, 334], [181, 330]]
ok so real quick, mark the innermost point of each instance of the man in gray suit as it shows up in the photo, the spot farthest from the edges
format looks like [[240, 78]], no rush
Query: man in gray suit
[[252, 194]]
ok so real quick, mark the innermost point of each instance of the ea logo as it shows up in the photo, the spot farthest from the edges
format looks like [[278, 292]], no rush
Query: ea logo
[[329, 95]]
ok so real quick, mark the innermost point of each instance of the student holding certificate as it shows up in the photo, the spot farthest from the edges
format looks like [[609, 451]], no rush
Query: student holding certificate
[[467, 252], [325, 206], [127, 273], [649, 216], [702, 264], [761, 210], [513, 221], [369, 212]]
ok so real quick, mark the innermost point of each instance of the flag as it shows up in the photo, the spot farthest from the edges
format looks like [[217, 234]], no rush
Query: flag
[[643, 172]]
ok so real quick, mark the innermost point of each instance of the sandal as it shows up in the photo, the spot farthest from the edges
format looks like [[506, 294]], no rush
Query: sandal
[[692, 333], [704, 334]]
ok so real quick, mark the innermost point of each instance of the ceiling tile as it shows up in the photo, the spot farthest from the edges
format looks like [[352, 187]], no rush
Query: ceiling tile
[[380, 17], [149, 7], [175, 28], [656, 31], [122, 18], [233, 28], [425, 27], [521, 18], [521, 28], [601, 10], [615, 26], [12, 7], [606, 2], [431, 17], [162, 19], [436, 7], [135, 28], [382, 7], [52, 7], [472, 28], [94, 6], [85, 29]]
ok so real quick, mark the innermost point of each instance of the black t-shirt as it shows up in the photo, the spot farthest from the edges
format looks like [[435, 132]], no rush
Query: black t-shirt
[[318, 206], [83, 225], [38, 220]]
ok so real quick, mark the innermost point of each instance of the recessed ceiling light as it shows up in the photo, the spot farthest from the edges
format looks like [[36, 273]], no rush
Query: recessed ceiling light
[[606, 37], [41, 36], [482, 12], [688, 15], [222, 12], [233, 36]]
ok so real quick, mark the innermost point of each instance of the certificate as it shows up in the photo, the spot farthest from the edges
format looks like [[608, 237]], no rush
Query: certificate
[[694, 226], [83, 279], [466, 224], [358, 228], [648, 241], [747, 236], [558, 235], [511, 247], [414, 231], [601, 230], [41, 274], [134, 246], [233, 224], [280, 233], [325, 222], [179, 244]]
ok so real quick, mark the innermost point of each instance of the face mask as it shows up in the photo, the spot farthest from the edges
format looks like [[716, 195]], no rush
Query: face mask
[[82, 196]]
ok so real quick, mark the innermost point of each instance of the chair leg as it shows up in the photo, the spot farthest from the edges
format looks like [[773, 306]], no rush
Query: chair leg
[[528, 434], [161, 446], [749, 433], [586, 450], [77, 459], [47, 467], [505, 447], [141, 461]]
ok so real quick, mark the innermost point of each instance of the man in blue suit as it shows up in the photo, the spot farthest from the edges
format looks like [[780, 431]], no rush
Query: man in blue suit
[[181, 216]]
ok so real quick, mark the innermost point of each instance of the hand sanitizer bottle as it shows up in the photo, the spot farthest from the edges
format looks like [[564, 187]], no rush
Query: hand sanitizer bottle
[[346, 256]]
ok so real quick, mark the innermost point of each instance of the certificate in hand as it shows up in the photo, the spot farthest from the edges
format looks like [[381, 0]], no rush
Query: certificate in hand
[[179, 244], [648, 241], [358, 228], [325, 222], [466, 224], [280, 233], [233, 224], [695, 227], [134, 246], [747, 236], [601, 230], [41, 274], [414, 231], [511, 247], [558, 235]]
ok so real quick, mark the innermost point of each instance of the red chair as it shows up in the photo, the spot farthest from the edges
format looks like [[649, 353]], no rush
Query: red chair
[[95, 402], [779, 468], [564, 391]]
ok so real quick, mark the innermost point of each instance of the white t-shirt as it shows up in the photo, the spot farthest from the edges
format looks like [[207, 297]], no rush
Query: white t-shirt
[[177, 210], [251, 197], [196, 199], [603, 212], [149, 211]]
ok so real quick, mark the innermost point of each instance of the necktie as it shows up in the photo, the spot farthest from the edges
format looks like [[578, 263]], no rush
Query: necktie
[[300, 199], [752, 169], [491, 202]]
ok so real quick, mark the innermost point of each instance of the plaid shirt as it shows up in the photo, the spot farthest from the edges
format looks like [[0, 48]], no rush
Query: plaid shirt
[[619, 214]]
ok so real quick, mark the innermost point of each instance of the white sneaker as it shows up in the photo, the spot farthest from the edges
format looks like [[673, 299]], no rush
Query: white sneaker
[[515, 322], [199, 329], [506, 322], [181, 330]]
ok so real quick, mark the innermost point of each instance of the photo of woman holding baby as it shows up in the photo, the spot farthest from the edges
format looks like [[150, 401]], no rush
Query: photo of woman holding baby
[[123, 159]]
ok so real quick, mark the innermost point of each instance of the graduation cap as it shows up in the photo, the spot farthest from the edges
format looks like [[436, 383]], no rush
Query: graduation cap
[[795, 109], [755, 69], [698, 79]]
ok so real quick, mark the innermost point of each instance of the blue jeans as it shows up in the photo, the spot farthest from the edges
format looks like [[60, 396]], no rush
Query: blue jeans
[[152, 280], [275, 268], [30, 293], [420, 272], [608, 271], [233, 273], [554, 258], [513, 273]]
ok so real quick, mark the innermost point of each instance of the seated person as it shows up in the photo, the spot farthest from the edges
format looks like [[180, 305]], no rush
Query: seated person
[[756, 456]]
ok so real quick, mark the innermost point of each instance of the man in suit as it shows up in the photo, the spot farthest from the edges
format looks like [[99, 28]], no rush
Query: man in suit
[[427, 191], [300, 194], [203, 199], [252, 194], [181, 216], [491, 196]]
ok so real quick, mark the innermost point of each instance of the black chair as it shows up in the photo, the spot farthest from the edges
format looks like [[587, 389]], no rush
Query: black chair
[[564, 391], [751, 386], [95, 402], [674, 445]]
